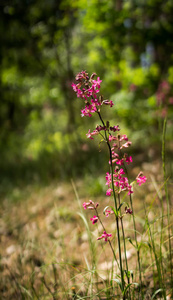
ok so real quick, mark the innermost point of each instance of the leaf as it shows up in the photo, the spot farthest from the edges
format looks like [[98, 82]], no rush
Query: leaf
[[156, 292], [105, 209], [115, 212], [144, 244], [25, 291], [119, 283], [129, 273], [130, 241], [122, 205], [128, 286], [84, 220]]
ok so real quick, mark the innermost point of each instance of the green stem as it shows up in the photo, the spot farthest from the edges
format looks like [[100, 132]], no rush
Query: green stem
[[167, 196], [155, 255], [137, 247], [108, 239], [161, 239], [124, 240], [116, 207]]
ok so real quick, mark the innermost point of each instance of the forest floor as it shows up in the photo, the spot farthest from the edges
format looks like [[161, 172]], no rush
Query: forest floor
[[44, 240]]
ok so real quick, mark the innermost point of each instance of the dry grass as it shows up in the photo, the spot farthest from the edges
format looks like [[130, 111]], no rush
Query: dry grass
[[45, 252]]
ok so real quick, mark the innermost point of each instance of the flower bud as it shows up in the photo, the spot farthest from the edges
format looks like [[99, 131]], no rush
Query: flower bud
[[92, 76]]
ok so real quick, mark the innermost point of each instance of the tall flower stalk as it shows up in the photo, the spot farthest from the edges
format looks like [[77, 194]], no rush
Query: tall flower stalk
[[87, 88]]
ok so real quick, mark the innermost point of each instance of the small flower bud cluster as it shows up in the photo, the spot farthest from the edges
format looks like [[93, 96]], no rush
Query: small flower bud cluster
[[116, 159], [104, 236], [89, 88], [100, 128], [108, 212], [141, 178], [94, 219], [128, 210], [120, 182], [90, 205]]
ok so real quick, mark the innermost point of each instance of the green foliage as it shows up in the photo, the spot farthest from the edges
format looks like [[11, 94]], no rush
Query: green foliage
[[45, 43]]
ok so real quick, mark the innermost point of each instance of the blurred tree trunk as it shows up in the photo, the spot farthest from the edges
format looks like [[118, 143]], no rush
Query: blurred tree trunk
[[70, 78]]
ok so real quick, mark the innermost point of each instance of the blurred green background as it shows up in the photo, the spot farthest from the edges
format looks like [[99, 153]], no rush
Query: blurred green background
[[44, 43]]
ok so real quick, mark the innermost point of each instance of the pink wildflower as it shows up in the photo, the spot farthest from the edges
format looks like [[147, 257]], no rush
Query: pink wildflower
[[109, 191], [95, 101], [141, 179], [100, 128], [108, 212], [74, 86], [104, 236], [94, 219], [107, 102], [85, 205], [91, 108], [108, 179], [120, 162], [121, 171], [114, 128], [112, 138], [114, 154], [82, 75], [111, 103], [90, 134], [129, 159], [126, 145], [94, 90], [128, 210], [97, 82], [124, 137], [130, 190]]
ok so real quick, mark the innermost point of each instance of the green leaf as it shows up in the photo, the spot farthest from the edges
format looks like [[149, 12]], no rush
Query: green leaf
[[115, 212], [128, 286], [156, 292], [130, 241], [119, 283], [105, 209], [129, 273], [122, 205], [147, 244]]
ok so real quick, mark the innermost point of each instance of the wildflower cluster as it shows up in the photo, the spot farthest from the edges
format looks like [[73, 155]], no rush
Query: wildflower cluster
[[88, 88], [91, 205], [104, 236], [120, 182]]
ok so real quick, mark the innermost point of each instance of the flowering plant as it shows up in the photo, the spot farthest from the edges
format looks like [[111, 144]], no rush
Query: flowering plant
[[87, 88]]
